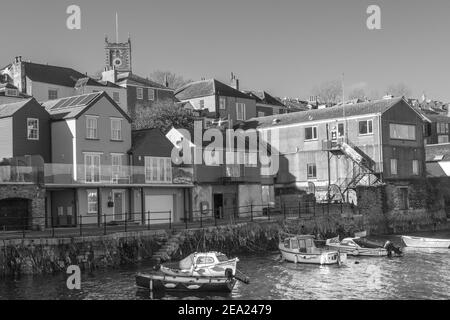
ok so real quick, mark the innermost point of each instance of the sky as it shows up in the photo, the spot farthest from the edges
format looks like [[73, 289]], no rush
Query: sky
[[286, 47]]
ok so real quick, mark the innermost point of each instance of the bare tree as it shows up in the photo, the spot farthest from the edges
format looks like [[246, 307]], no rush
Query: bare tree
[[329, 92], [398, 90], [357, 93], [174, 81]]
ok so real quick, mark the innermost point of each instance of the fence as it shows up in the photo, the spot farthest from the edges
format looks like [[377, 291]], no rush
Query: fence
[[13, 228]]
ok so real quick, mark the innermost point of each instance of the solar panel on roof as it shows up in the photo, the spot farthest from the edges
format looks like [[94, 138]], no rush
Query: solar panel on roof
[[67, 103], [77, 100], [87, 99]]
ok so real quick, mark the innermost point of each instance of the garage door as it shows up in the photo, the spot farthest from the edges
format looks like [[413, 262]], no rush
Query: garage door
[[13, 214], [160, 208]]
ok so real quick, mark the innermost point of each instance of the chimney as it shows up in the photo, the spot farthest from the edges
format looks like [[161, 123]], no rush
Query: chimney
[[109, 75], [18, 74], [234, 81], [166, 82]]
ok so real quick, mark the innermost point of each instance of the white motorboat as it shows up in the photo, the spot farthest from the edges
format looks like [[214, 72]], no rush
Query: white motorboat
[[207, 264], [301, 249], [417, 242], [357, 247]]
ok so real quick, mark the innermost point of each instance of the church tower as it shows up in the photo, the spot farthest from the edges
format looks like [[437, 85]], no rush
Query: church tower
[[118, 55]]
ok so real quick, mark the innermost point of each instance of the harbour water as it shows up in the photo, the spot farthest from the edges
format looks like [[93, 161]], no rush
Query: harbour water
[[419, 274]]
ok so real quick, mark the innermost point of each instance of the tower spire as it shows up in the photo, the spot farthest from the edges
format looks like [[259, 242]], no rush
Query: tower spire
[[117, 27]]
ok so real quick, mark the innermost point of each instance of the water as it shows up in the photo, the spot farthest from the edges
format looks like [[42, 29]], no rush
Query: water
[[420, 274]]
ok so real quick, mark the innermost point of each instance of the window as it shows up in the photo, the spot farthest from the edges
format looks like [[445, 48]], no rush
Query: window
[[233, 170], [394, 169], [201, 104], [91, 127], [312, 171], [222, 103], [116, 97], [52, 94], [151, 95], [205, 260], [261, 114], [92, 201], [140, 93], [415, 165], [92, 167], [366, 127], [403, 197], [402, 132], [116, 166], [341, 130], [442, 128], [158, 170], [33, 129], [443, 139], [310, 133], [251, 159], [116, 129], [12, 92], [240, 111]]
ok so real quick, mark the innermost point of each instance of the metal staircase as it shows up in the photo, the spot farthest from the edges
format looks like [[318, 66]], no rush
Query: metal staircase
[[363, 170]]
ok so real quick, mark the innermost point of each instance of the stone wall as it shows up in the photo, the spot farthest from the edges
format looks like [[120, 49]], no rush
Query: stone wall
[[32, 192], [384, 209], [47, 256]]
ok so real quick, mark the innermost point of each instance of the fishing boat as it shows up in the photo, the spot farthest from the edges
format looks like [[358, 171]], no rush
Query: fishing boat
[[207, 264], [164, 282], [357, 247], [417, 242], [301, 249]]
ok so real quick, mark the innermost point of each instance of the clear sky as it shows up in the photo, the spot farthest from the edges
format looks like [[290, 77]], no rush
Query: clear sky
[[285, 47]]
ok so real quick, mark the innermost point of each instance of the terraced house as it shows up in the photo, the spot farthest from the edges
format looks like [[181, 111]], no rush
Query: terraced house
[[98, 175]]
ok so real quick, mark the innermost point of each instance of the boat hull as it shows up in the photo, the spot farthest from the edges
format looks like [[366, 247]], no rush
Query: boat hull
[[320, 258], [164, 282], [359, 252], [416, 242]]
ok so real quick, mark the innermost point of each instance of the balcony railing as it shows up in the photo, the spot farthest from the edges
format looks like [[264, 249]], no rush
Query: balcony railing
[[66, 174], [20, 174]]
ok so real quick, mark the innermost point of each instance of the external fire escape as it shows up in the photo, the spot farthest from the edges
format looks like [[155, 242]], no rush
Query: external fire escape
[[363, 172]]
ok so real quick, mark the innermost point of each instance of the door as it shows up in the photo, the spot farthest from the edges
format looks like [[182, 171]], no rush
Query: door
[[159, 209], [118, 205], [230, 205], [218, 206]]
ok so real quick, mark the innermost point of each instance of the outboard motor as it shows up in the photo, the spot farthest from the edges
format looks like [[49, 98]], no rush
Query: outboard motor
[[389, 246]]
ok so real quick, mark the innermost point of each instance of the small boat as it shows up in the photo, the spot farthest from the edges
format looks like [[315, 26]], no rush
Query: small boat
[[357, 247], [417, 242], [208, 264], [164, 282], [301, 249]]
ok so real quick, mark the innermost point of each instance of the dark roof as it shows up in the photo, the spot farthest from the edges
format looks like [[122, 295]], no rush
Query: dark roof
[[209, 87], [62, 76], [7, 110], [379, 106], [128, 78], [152, 142], [265, 98], [438, 118], [437, 152], [73, 107]]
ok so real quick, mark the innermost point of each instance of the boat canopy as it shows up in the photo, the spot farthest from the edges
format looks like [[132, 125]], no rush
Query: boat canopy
[[187, 262]]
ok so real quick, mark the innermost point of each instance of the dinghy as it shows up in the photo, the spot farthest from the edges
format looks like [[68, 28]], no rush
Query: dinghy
[[417, 242], [301, 249], [207, 264]]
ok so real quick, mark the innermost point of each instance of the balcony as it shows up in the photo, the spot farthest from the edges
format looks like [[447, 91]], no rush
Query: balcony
[[16, 174], [66, 174]]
